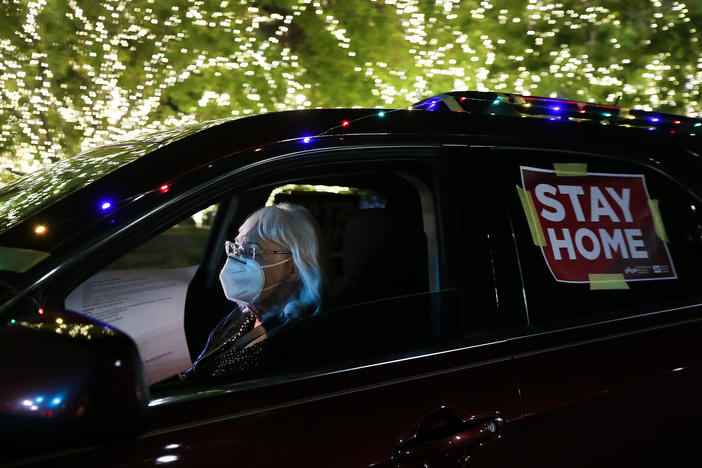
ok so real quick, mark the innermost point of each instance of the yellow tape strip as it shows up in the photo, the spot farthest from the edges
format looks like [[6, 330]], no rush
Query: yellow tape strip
[[608, 281], [658, 220], [570, 169], [537, 234]]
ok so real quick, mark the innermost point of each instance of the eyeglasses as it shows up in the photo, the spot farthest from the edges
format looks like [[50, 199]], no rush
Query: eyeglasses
[[249, 251]]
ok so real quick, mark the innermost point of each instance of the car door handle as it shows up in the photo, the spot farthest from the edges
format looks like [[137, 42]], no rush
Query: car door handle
[[447, 431]]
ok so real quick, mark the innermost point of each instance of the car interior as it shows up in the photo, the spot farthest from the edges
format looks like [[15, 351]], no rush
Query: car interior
[[381, 268]]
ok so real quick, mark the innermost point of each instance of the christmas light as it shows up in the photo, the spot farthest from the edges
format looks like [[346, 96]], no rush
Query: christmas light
[[164, 188], [40, 229], [105, 205]]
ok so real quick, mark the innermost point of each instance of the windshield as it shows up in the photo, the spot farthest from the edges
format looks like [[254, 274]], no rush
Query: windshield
[[44, 187], [35, 191]]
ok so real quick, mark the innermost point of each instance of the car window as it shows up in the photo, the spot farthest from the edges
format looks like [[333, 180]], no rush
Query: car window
[[600, 237], [382, 298]]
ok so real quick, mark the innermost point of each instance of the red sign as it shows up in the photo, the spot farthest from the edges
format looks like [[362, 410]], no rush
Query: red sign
[[596, 224]]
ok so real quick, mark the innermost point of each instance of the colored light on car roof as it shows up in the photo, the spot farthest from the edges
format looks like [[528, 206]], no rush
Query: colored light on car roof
[[515, 105]]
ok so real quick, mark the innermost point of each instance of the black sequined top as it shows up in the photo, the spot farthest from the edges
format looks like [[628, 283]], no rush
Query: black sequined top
[[225, 354]]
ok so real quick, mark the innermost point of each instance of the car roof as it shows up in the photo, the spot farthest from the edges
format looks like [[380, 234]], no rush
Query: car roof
[[142, 166], [517, 105]]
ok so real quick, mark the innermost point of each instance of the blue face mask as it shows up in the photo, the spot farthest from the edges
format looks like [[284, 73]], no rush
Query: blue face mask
[[243, 279]]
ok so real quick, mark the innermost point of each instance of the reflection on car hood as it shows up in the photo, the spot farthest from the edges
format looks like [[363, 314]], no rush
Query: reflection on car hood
[[35, 191]]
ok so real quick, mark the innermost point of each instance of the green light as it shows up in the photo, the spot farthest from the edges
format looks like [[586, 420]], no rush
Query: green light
[[381, 114], [693, 134], [698, 125], [607, 114], [12, 321], [496, 101]]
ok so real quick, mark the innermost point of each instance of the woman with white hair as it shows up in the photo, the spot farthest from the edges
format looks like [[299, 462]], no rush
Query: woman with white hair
[[274, 274]]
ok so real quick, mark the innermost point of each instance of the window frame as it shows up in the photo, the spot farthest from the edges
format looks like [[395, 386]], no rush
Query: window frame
[[155, 221]]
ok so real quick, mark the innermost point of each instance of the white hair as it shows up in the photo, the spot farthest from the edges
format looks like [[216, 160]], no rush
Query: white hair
[[293, 227]]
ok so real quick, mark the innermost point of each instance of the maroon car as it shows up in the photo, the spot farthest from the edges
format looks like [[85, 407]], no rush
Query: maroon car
[[513, 281]]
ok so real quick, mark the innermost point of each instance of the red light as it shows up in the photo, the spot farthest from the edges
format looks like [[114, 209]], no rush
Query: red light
[[582, 111], [676, 122], [672, 131], [41, 311], [345, 123], [463, 99], [164, 188]]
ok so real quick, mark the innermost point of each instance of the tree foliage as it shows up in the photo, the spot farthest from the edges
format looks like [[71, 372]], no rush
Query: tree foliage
[[78, 73]]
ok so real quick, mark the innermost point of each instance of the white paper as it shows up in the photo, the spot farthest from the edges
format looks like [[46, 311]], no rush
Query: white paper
[[147, 305]]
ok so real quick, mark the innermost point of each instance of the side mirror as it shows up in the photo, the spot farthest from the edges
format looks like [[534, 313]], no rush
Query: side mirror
[[67, 380]]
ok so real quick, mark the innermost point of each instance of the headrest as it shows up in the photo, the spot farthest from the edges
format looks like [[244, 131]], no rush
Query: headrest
[[383, 245]]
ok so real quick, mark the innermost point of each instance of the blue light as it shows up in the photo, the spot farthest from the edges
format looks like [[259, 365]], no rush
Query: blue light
[[496, 101], [431, 105], [654, 119], [556, 108], [13, 321], [56, 401], [105, 205], [39, 399], [306, 139], [381, 114]]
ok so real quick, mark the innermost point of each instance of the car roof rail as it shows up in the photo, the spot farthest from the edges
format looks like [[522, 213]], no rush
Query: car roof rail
[[516, 105]]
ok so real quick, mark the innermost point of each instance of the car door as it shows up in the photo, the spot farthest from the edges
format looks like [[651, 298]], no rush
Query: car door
[[419, 377], [609, 366]]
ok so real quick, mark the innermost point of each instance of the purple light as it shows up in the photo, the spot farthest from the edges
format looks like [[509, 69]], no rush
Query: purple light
[[106, 205], [306, 140], [432, 105]]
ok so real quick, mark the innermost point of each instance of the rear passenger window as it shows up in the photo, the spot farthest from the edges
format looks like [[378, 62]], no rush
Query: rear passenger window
[[600, 237]]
